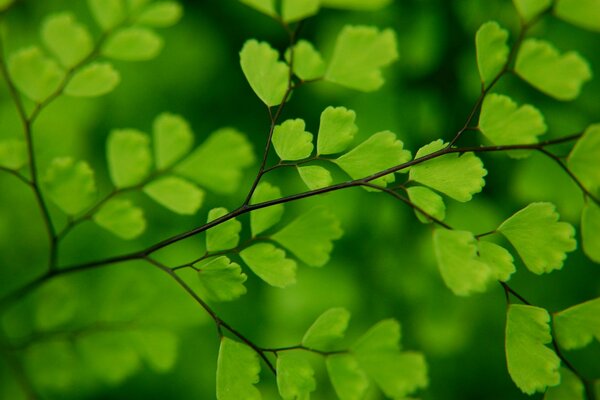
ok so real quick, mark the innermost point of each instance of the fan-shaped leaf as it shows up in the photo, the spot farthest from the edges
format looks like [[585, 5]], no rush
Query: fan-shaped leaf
[[34, 74], [267, 76], [157, 347], [121, 218], [263, 219], [133, 44], [590, 230], [107, 13], [327, 330], [173, 139], [69, 40], [492, 50], [70, 184], [578, 325], [161, 14], [336, 130], [308, 63], [348, 379], [295, 10], [176, 194], [583, 13], [237, 371], [291, 141], [315, 177], [428, 201], [498, 259], [224, 236], [270, 264], [530, 9], [295, 376], [570, 387], [129, 157], [221, 279], [584, 160], [13, 154], [94, 80]]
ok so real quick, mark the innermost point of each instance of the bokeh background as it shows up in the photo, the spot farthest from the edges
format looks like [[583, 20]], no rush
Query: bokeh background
[[382, 267]]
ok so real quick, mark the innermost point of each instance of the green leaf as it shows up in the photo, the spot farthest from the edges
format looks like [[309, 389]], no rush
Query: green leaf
[[157, 347], [583, 13], [348, 379], [310, 236], [379, 152], [428, 201], [70, 184], [358, 5], [221, 279], [541, 241], [13, 154], [34, 74], [558, 75], [94, 80], [173, 138], [492, 50], [133, 44], [456, 176], [328, 330], [498, 259], [584, 159], [4, 4], [315, 177], [51, 365], [263, 219], [267, 76], [295, 376], [462, 270], [336, 130], [69, 40], [134, 6], [129, 157], [55, 305], [176, 194], [237, 371], [531, 365], [590, 230], [121, 218], [296, 10], [107, 13], [224, 236], [358, 56], [291, 141], [264, 6], [308, 63], [570, 387], [161, 14], [382, 337], [218, 162], [530, 9], [270, 264], [576, 326]]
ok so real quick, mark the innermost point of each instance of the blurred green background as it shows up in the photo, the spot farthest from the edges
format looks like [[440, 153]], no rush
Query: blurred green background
[[384, 264]]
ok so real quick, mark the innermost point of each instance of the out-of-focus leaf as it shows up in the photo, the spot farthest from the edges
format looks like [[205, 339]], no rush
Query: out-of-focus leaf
[[584, 159], [129, 157], [348, 379], [94, 80], [590, 230], [328, 330], [69, 40], [530, 9], [34, 74], [173, 139], [133, 44], [176, 194], [295, 10], [121, 218], [13, 154], [583, 13], [71, 185], [107, 13]]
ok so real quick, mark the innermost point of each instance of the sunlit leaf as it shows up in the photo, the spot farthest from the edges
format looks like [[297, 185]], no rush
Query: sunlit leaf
[[133, 44], [121, 218], [34, 74], [161, 14], [224, 236], [315, 177], [336, 130], [291, 141], [497, 258], [221, 279], [267, 76], [348, 379], [237, 371], [578, 325], [295, 10], [584, 159], [583, 13], [69, 40], [530, 9], [157, 347], [295, 376], [129, 157], [270, 264], [94, 80], [107, 13], [263, 219], [328, 330], [570, 387], [13, 154], [70, 185], [428, 201], [492, 50], [590, 230], [308, 63], [264, 6], [176, 194], [173, 138]]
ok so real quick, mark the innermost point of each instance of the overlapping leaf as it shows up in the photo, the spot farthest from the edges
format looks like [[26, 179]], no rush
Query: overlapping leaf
[[173, 138], [530, 9], [69, 40], [34, 74], [221, 280], [121, 218], [93, 80], [176, 194], [129, 157]]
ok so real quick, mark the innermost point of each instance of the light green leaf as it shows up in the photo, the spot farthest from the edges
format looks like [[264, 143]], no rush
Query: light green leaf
[[584, 159], [70, 184], [263, 219], [13, 154], [237, 371], [583, 13], [176, 194], [348, 379], [69, 40], [34, 74], [133, 44], [295, 376], [134, 6], [55, 305], [291, 141], [158, 348], [336, 130], [379, 152], [218, 162], [221, 279], [570, 387], [315, 177], [428, 201], [541, 241], [456, 176], [590, 230], [531, 365], [129, 157], [52, 365], [382, 337], [492, 50], [530, 9], [463, 272], [310, 236], [94, 80], [4, 4], [498, 259], [267, 76], [263, 6], [308, 63], [270, 264], [296, 10], [358, 56], [107, 13], [224, 236], [121, 218], [358, 5], [173, 139], [558, 75], [161, 14], [576, 326], [328, 329]]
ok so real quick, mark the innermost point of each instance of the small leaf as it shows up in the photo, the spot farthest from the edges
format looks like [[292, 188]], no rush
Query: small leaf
[[456, 176], [492, 50], [69, 40], [590, 230], [108, 13], [158, 348], [176, 194], [576, 326], [531, 9], [560, 76], [358, 56], [570, 387], [358, 5], [582, 13], [296, 10], [498, 258], [221, 279], [308, 63], [291, 141], [267, 76], [161, 14], [34, 74], [347, 378], [270, 264], [237, 371], [129, 158], [428, 201], [310, 236], [463, 272], [173, 139], [263, 219], [295, 376], [315, 177], [224, 236], [531, 365], [328, 330], [264, 6], [94, 80], [121, 218], [336, 130], [541, 241], [70, 184], [13, 154], [584, 159], [133, 44], [383, 336]]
